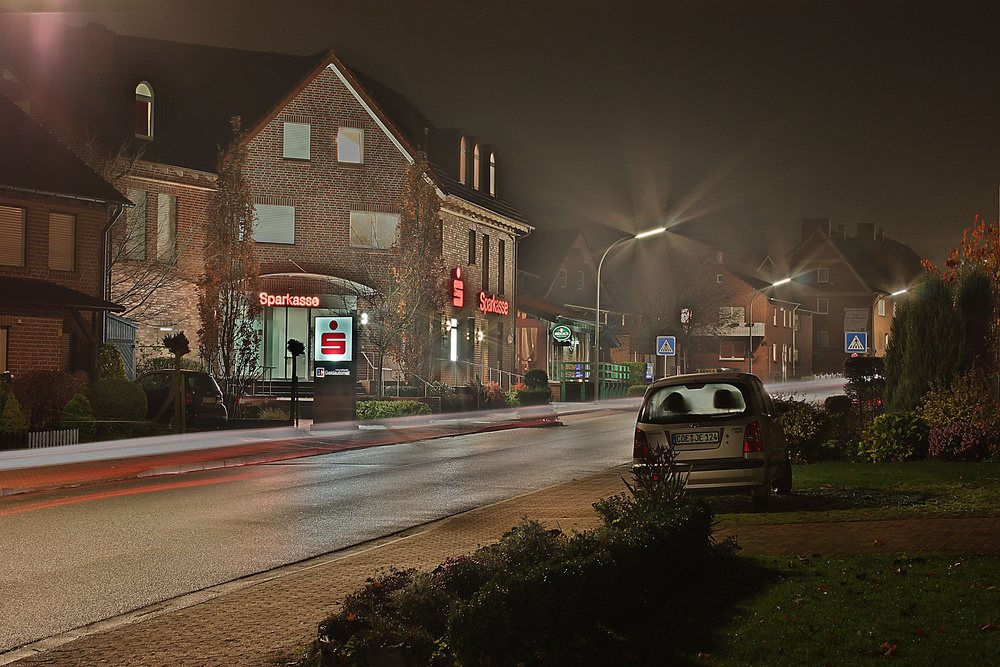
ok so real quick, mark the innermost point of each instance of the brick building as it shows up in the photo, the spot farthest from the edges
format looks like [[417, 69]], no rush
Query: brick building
[[329, 149], [54, 212]]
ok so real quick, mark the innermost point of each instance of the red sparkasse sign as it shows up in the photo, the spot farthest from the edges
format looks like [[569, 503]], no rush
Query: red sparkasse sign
[[493, 304]]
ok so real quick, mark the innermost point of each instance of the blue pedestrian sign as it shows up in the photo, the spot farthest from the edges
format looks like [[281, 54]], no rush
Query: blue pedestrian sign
[[856, 342], [666, 346]]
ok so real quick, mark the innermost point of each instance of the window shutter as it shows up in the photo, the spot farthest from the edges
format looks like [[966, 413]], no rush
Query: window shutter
[[275, 224], [135, 227], [362, 229], [62, 241], [386, 225], [11, 236], [297, 137], [166, 226]]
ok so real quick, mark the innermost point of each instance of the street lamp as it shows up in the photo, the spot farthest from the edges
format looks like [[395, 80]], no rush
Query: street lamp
[[881, 296], [750, 320], [597, 310]]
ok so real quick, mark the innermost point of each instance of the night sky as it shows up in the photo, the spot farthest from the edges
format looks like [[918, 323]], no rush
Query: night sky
[[731, 120]]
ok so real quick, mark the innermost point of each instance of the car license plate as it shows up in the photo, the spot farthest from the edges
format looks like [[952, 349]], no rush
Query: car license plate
[[699, 438]]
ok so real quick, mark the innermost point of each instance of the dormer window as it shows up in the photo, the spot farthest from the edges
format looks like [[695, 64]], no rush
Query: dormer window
[[144, 110], [462, 162], [475, 167], [493, 174]]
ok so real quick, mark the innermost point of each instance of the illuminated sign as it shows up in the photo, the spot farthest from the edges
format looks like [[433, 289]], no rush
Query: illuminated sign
[[288, 300], [493, 304], [457, 288], [334, 339], [562, 334]]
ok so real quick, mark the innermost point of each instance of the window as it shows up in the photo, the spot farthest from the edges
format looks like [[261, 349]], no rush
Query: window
[[166, 227], [774, 351], [3, 347], [822, 339], [823, 306], [296, 141], [823, 275], [275, 224], [12, 236], [134, 241], [493, 174], [144, 110], [732, 349], [562, 278], [350, 145], [732, 315], [373, 230], [472, 246], [718, 278], [486, 263], [463, 165], [62, 241], [579, 280], [475, 167], [501, 266], [881, 308], [774, 317]]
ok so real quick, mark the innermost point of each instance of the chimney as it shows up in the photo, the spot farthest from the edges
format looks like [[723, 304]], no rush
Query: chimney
[[866, 231], [841, 232], [810, 225]]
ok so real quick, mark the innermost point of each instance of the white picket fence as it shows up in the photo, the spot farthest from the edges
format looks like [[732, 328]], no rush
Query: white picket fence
[[39, 439]]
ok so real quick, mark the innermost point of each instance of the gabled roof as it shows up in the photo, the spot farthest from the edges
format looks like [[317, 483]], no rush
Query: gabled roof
[[33, 161], [881, 264], [90, 75], [543, 253]]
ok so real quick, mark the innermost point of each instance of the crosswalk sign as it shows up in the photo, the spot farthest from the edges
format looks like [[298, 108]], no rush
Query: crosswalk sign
[[666, 346], [856, 342]]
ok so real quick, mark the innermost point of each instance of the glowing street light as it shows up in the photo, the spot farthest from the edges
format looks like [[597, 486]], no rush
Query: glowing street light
[[597, 310], [783, 281]]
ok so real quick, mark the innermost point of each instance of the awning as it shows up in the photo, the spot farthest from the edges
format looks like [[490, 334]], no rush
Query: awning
[[37, 293]]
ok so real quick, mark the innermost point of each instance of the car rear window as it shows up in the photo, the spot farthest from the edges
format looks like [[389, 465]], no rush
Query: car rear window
[[678, 403], [201, 384]]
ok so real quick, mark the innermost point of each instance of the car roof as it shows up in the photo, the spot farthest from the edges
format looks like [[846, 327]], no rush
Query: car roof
[[695, 378]]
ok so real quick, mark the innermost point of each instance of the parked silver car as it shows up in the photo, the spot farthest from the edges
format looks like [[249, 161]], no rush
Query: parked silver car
[[723, 431]]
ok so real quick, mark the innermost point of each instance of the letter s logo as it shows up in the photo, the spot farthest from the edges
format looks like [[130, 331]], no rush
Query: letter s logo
[[333, 343]]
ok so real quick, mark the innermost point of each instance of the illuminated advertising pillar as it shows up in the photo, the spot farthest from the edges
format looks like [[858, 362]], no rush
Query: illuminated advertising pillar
[[334, 370]]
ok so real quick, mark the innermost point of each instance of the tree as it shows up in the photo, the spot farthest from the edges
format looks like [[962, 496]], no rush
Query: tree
[[227, 291], [419, 270]]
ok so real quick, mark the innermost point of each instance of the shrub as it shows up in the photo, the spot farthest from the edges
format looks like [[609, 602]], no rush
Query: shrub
[[440, 389], [458, 403], [388, 409], [807, 432], [401, 391], [43, 395], [110, 363], [496, 397], [275, 413], [962, 442], [12, 419], [636, 372], [79, 415], [838, 404], [119, 406], [895, 436], [637, 390], [966, 399], [539, 396], [536, 378]]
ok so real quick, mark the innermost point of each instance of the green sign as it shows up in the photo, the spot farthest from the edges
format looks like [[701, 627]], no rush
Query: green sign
[[562, 334]]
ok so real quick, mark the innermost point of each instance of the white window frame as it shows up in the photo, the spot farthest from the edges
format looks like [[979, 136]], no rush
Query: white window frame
[[377, 231], [823, 305], [881, 307], [62, 241], [12, 233], [296, 140], [274, 224], [823, 275], [144, 100], [350, 145]]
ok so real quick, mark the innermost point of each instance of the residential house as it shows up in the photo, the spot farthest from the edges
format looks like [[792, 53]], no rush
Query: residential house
[[55, 212]]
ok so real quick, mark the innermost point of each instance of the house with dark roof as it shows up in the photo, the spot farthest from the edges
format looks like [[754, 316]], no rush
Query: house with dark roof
[[328, 152], [852, 285], [55, 212]]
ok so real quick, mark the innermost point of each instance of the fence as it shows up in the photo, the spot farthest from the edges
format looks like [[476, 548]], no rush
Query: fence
[[39, 439]]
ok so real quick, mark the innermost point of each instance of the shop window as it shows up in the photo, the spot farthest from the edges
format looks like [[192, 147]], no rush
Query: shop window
[[296, 140], [373, 230], [12, 235], [144, 110], [62, 242], [166, 227], [134, 241], [275, 224], [350, 145]]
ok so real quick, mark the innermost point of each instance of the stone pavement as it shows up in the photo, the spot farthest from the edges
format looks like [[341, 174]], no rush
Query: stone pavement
[[261, 620]]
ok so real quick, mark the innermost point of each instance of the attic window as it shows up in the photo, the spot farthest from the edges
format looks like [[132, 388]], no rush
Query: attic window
[[350, 145], [493, 174], [462, 162], [475, 167], [144, 110]]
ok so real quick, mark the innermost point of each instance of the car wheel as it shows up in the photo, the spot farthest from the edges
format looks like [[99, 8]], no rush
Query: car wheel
[[783, 484]]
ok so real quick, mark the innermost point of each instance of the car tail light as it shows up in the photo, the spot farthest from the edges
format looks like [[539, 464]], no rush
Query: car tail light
[[640, 445], [753, 441]]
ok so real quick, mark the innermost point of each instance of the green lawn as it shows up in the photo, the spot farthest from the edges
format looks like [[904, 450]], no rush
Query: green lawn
[[859, 491]]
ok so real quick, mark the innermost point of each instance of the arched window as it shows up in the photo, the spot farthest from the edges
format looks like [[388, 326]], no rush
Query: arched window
[[144, 110], [475, 167], [493, 174], [462, 162]]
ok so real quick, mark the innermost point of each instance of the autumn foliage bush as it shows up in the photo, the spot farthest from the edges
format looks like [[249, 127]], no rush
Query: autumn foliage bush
[[963, 442], [895, 436]]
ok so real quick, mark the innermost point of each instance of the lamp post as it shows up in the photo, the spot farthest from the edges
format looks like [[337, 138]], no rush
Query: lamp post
[[597, 309], [750, 320]]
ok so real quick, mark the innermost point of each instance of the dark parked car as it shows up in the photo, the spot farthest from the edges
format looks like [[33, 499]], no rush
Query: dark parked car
[[203, 401], [723, 430]]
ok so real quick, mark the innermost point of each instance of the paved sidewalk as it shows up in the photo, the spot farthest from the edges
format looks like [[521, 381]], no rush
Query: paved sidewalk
[[261, 620]]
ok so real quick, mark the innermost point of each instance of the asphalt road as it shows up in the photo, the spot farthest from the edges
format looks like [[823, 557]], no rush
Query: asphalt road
[[74, 556]]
